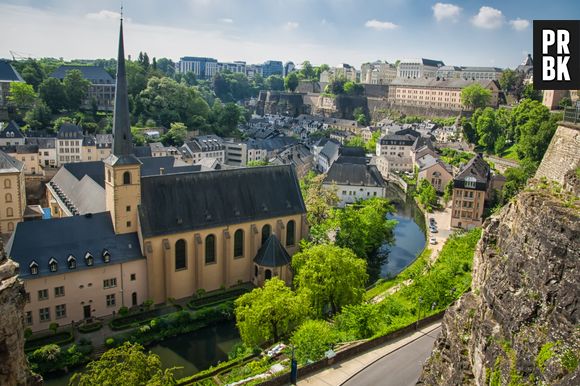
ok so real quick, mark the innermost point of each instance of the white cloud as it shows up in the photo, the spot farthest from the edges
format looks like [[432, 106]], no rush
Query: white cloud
[[519, 24], [488, 18], [291, 25], [227, 20], [105, 15], [443, 11], [380, 25]]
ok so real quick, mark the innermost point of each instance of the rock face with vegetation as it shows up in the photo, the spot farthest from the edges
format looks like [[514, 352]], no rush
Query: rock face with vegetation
[[13, 366], [519, 324]]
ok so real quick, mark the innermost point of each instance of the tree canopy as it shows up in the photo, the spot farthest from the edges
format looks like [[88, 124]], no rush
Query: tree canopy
[[270, 312], [330, 276], [475, 95]]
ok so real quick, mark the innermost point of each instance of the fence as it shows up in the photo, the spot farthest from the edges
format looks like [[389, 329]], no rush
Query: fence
[[572, 114]]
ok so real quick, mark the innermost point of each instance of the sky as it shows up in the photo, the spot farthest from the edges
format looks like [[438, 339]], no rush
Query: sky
[[462, 33]]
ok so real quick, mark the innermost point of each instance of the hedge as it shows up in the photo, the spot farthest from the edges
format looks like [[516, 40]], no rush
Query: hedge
[[138, 318], [60, 338], [90, 327], [216, 297]]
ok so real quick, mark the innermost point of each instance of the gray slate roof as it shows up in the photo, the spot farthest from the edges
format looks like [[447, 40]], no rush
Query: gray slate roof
[[12, 130], [184, 202], [9, 73], [441, 83], [354, 174], [272, 253], [69, 131], [59, 238], [476, 168], [9, 164], [94, 74]]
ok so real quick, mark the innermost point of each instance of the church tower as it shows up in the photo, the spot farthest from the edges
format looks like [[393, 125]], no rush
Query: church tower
[[122, 168]]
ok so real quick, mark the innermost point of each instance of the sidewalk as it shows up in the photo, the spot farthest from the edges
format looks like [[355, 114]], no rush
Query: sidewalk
[[342, 372]]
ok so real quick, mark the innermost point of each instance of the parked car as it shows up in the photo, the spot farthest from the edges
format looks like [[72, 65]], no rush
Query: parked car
[[433, 229], [432, 241], [432, 221]]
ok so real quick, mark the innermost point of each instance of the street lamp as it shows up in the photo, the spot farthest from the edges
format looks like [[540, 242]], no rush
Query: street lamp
[[418, 312], [293, 369]]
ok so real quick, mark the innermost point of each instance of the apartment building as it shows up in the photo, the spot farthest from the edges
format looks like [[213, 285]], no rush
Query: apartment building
[[13, 196], [469, 73], [418, 68], [379, 72], [470, 190], [204, 146], [101, 90]]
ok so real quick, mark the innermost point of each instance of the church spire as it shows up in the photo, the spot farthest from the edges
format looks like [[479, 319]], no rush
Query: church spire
[[122, 141]]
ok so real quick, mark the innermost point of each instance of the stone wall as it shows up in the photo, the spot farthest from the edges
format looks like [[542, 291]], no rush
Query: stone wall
[[563, 153], [13, 364]]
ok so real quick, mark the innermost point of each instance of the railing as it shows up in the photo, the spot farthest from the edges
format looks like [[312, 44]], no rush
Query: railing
[[572, 114]]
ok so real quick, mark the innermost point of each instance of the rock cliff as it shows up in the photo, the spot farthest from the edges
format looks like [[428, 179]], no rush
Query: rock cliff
[[13, 364], [520, 323]]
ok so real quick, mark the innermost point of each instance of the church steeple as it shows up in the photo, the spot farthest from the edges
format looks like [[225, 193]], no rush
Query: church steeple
[[122, 141]]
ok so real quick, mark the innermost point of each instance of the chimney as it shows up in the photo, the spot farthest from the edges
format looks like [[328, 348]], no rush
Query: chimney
[[161, 171]]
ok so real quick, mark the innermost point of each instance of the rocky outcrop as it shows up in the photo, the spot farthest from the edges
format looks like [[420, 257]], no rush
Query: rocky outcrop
[[13, 364], [519, 324], [562, 154]]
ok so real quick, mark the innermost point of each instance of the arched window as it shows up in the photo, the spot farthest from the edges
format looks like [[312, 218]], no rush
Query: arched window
[[8, 197], [239, 243], [9, 212], [268, 274], [126, 178], [291, 233], [10, 227], [266, 231], [180, 254], [210, 249], [33, 268], [7, 183], [109, 175], [53, 265], [72, 262]]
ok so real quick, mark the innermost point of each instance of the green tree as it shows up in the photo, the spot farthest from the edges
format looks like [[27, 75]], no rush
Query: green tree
[[535, 126], [330, 276], [136, 78], [565, 102], [76, 88], [353, 88], [312, 339], [507, 80], [319, 201], [356, 141], [427, 195], [475, 95], [176, 134], [448, 192], [359, 321], [269, 313], [228, 120], [487, 128], [371, 145], [336, 86], [530, 93], [22, 95], [126, 365], [307, 71], [31, 71], [360, 117], [291, 81], [52, 92], [275, 82]]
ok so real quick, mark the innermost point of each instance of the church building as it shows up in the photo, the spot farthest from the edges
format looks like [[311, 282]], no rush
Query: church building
[[164, 231]]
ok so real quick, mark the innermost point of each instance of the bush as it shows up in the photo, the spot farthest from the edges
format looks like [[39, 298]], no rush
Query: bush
[[359, 321], [123, 311], [90, 327], [312, 339], [27, 333], [60, 339], [110, 342]]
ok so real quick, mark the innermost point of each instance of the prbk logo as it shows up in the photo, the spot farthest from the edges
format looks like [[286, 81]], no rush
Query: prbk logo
[[557, 54]]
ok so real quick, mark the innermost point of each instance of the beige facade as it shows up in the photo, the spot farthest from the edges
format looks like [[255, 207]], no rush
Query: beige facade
[[123, 195], [31, 161], [77, 295], [467, 208], [168, 280], [12, 200], [437, 175], [68, 150]]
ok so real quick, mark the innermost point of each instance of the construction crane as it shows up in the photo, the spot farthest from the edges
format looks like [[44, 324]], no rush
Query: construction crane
[[20, 55]]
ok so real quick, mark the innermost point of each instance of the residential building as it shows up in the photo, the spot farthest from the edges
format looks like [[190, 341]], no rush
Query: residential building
[[469, 73], [527, 68], [29, 155], [298, 156], [470, 190], [204, 146], [378, 72], [418, 68], [239, 153], [433, 93], [354, 180], [160, 236], [69, 143], [13, 196], [272, 67], [46, 150], [253, 70], [235, 67], [345, 71], [437, 172], [11, 135], [101, 90], [202, 68], [325, 152], [7, 75], [288, 67]]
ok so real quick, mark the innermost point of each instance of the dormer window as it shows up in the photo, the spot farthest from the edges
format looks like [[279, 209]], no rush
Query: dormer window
[[72, 262], [53, 265], [33, 268], [470, 182], [106, 256], [89, 259]]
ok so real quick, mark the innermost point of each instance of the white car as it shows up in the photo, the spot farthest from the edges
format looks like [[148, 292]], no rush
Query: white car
[[432, 241], [433, 229]]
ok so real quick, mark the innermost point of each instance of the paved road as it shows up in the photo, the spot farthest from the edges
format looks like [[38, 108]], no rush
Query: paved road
[[399, 368]]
